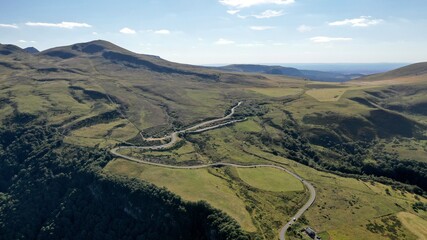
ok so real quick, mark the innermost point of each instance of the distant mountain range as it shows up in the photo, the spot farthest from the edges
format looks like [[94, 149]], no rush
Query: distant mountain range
[[291, 72], [130, 59]]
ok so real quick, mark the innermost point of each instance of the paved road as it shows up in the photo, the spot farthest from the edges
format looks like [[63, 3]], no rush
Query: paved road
[[304, 208], [194, 129]]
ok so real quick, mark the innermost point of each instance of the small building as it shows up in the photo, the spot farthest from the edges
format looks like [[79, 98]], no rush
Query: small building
[[310, 232]]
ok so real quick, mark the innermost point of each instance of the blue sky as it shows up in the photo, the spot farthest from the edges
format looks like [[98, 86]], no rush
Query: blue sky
[[229, 31]]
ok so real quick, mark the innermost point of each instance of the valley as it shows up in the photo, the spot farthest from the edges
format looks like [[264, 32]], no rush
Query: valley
[[258, 147]]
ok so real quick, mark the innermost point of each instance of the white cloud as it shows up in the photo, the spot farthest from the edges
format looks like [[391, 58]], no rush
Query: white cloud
[[8, 25], [232, 12], [127, 30], [261, 28], [322, 39], [363, 21], [162, 31], [25, 41], [94, 33], [250, 3], [304, 28], [269, 14], [68, 25], [223, 41]]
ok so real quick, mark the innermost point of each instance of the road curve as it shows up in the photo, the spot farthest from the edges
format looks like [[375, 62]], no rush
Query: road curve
[[174, 138]]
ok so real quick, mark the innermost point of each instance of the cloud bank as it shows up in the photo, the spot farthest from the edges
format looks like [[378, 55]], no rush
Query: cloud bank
[[8, 25], [127, 30], [323, 39], [363, 21], [68, 25]]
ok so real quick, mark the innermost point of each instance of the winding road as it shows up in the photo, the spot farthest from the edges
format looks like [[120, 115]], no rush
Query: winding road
[[197, 129]]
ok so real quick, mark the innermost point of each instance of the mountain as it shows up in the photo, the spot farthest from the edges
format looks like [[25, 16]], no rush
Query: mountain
[[251, 68], [88, 77], [291, 72], [8, 49], [412, 71], [32, 50]]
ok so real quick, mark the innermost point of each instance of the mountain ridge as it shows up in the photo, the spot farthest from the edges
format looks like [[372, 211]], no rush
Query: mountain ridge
[[119, 55], [290, 72], [412, 70]]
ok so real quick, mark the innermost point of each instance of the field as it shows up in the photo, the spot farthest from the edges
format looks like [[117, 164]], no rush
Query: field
[[270, 179]]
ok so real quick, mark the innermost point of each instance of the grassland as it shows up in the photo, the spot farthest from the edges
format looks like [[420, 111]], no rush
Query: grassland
[[191, 185], [345, 208], [256, 209], [277, 92], [185, 154], [333, 94], [408, 149], [270, 179], [415, 224]]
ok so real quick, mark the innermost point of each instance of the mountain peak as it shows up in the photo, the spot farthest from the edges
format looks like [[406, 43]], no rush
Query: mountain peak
[[92, 47], [31, 50]]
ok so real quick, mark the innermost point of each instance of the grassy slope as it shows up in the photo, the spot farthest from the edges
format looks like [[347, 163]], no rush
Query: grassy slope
[[415, 224], [255, 209], [191, 185], [344, 206]]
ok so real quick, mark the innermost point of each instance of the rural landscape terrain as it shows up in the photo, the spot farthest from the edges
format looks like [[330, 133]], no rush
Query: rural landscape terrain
[[97, 142]]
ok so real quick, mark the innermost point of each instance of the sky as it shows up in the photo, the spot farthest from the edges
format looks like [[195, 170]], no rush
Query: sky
[[228, 31]]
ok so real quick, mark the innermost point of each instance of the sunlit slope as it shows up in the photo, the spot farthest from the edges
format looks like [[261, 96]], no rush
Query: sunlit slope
[[96, 90]]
